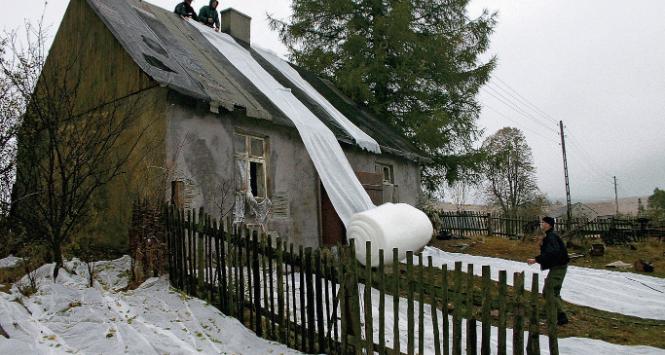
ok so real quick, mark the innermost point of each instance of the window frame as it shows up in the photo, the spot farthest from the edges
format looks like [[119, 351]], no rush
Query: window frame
[[246, 155]]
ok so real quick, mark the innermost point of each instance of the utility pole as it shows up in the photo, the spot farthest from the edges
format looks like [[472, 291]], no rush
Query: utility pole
[[616, 195], [565, 171]]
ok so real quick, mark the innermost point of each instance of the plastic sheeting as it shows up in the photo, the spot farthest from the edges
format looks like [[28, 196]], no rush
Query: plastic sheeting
[[391, 225], [361, 138], [345, 191], [400, 226]]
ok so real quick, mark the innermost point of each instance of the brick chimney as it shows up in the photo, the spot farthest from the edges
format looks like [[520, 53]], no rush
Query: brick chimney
[[237, 24]]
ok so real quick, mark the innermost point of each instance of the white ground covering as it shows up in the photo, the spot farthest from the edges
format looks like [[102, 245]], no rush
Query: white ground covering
[[620, 292], [68, 317], [566, 345], [10, 261]]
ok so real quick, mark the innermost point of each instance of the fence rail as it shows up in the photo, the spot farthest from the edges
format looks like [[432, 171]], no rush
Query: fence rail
[[612, 230], [324, 301]]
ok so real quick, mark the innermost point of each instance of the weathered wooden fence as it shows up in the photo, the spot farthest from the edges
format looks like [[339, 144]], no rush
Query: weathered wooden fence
[[612, 230], [324, 301]]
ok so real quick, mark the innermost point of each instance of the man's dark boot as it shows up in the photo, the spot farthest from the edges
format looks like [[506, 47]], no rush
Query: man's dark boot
[[562, 319]]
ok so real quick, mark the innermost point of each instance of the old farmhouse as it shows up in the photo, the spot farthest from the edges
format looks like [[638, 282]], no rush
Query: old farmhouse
[[212, 133]]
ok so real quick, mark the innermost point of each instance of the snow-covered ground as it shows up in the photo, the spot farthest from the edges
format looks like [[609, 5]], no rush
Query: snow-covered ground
[[69, 317], [620, 292], [10, 261]]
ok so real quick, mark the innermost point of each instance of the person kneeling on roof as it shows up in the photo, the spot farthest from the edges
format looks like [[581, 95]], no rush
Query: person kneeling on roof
[[208, 15], [185, 10]]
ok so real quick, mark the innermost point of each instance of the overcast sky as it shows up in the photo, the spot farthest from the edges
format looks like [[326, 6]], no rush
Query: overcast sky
[[598, 65]]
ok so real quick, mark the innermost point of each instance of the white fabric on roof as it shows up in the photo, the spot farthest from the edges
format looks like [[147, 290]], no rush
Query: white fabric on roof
[[345, 191], [361, 138], [347, 195]]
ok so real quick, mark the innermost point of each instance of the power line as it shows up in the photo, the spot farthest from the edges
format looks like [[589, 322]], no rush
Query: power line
[[525, 106], [520, 123], [501, 98], [529, 103]]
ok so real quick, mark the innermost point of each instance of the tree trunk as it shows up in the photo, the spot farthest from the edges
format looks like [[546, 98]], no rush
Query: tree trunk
[[57, 256]]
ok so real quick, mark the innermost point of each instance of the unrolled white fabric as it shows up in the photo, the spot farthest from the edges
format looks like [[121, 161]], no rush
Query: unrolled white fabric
[[401, 226], [391, 225], [361, 138], [345, 191]]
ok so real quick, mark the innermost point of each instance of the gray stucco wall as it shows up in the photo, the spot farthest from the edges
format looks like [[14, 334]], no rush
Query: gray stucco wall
[[200, 152]]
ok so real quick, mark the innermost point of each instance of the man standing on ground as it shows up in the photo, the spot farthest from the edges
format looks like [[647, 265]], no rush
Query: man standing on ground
[[208, 15], [186, 10], [553, 256]]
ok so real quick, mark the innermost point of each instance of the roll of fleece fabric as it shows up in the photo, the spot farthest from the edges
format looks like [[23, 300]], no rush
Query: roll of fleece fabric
[[391, 225]]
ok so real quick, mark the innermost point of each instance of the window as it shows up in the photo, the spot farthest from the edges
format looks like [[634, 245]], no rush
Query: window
[[251, 163], [387, 170]]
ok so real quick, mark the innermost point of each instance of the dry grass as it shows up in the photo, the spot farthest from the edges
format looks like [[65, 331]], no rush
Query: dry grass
[[652, 251]]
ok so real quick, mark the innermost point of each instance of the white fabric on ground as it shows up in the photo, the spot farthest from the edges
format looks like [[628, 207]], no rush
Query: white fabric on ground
[[345, 191], [619, 292], [69, 317], [387, 227], [568, 346], [361, 138], [9, 262]]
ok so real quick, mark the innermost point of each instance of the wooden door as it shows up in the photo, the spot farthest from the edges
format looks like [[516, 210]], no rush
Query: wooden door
[[332, 228]]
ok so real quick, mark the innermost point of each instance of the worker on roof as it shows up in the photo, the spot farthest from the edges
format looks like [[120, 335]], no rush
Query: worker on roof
[[208, 15], [185, 10]]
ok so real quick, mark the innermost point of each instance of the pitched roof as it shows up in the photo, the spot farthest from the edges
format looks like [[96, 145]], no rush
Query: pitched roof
[[177, 56]]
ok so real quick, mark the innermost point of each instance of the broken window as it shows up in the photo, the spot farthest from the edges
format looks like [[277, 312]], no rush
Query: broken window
[[387, 170], [251, 164]]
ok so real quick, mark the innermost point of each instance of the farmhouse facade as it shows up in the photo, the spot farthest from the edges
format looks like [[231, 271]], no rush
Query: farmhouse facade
[[213, 134]]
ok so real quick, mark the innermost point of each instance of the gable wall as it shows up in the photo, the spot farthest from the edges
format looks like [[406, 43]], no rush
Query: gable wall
[[105, 73]]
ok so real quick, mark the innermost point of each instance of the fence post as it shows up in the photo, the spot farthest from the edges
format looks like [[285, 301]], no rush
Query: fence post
[[471, 336], [487, 304], [533, 344], [199, 239], [351, 307], [444, 314], [489, 223], [518, 314], [501, 333], [421, 306], [396, 275], [552, 331], [382, 304], [409, 314], [369, 331], [457, 312], [435, 316]]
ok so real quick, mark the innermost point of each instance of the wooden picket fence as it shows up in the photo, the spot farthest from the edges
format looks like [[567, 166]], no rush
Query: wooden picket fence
[[324, 301], [613, 230]]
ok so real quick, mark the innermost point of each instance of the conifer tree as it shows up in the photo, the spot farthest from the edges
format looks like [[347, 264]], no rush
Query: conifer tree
[[415, 64]]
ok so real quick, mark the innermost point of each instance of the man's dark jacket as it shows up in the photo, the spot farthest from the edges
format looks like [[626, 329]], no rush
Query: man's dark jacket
[[208, 15], [552, 252], [184, 9]]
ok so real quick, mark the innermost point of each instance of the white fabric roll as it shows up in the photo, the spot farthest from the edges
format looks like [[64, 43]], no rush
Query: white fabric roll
[[391, 225]]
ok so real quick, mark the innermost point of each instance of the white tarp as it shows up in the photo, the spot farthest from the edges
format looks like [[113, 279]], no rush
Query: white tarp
[[620, 292], [345, 191], [361, 138]]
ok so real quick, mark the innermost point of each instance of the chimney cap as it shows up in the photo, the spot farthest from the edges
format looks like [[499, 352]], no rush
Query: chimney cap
[[230, 9]]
